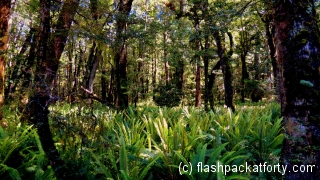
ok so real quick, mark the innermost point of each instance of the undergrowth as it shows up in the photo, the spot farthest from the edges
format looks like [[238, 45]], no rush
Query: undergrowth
[[147, 142], [21, 153]]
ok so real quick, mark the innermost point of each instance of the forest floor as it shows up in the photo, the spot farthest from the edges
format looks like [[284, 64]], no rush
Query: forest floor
[[147, 142]]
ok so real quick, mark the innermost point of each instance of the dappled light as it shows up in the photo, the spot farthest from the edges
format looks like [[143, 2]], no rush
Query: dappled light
[[159, 89]]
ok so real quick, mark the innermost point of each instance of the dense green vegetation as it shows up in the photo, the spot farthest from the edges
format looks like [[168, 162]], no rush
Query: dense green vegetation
[[145, 142], [159, 89]]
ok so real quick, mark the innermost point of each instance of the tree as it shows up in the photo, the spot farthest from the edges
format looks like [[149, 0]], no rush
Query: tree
[[95, 52], [244, 46], [297, 43], [266, 18], [4, 18], [196, 23], [225, 66], [48, 58], [120, 50]]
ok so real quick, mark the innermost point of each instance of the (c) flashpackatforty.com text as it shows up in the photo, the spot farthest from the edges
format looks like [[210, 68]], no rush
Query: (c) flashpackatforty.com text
[[262, 167]]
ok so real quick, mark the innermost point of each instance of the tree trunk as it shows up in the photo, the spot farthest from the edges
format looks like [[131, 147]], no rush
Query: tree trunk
[[15, 77], [61, 34], [4, 18], [95, 54], [92, 66], [141, 71], [48, 55], [245, 45], [256, 65], [76, 74], [70, 69], [165, 57], [197, 59], [112, 89], [154, 73], [206, 54], [298, 56], [211, 80], [226, 69], [38, 106], [244, 75], [206, 71], [198, 82], [179, 74], [97, 57], [120, 58], [272, 52], [104, 84], [26, 74]]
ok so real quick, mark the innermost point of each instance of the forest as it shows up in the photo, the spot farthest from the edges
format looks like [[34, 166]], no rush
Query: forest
[[159, 89]]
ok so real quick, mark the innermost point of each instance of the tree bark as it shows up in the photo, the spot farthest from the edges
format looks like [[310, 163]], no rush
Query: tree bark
[[272, 52], [245, 46], [120, 58], [104, 84], [198, 82], [179, 74], [269, 27], [38, 106], [154, 73], [297, 45], [15, 77], [141, 71], [165, 57], [92, 66], [211, 81], [61, 34], [206, 73], [48, 56], [95, 53], [244, 74], [197, 56], [4, 18], [226, 69], [26, 73], [206, 54]]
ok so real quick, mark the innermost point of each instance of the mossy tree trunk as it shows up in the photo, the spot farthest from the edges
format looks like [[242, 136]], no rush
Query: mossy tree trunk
[[296, 39], [4, 18]]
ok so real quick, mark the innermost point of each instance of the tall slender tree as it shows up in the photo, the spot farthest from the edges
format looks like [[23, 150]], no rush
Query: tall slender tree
[[297, 43], [120, 49], [225, 66], [4, 18], [197, 40], [245, 46]]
